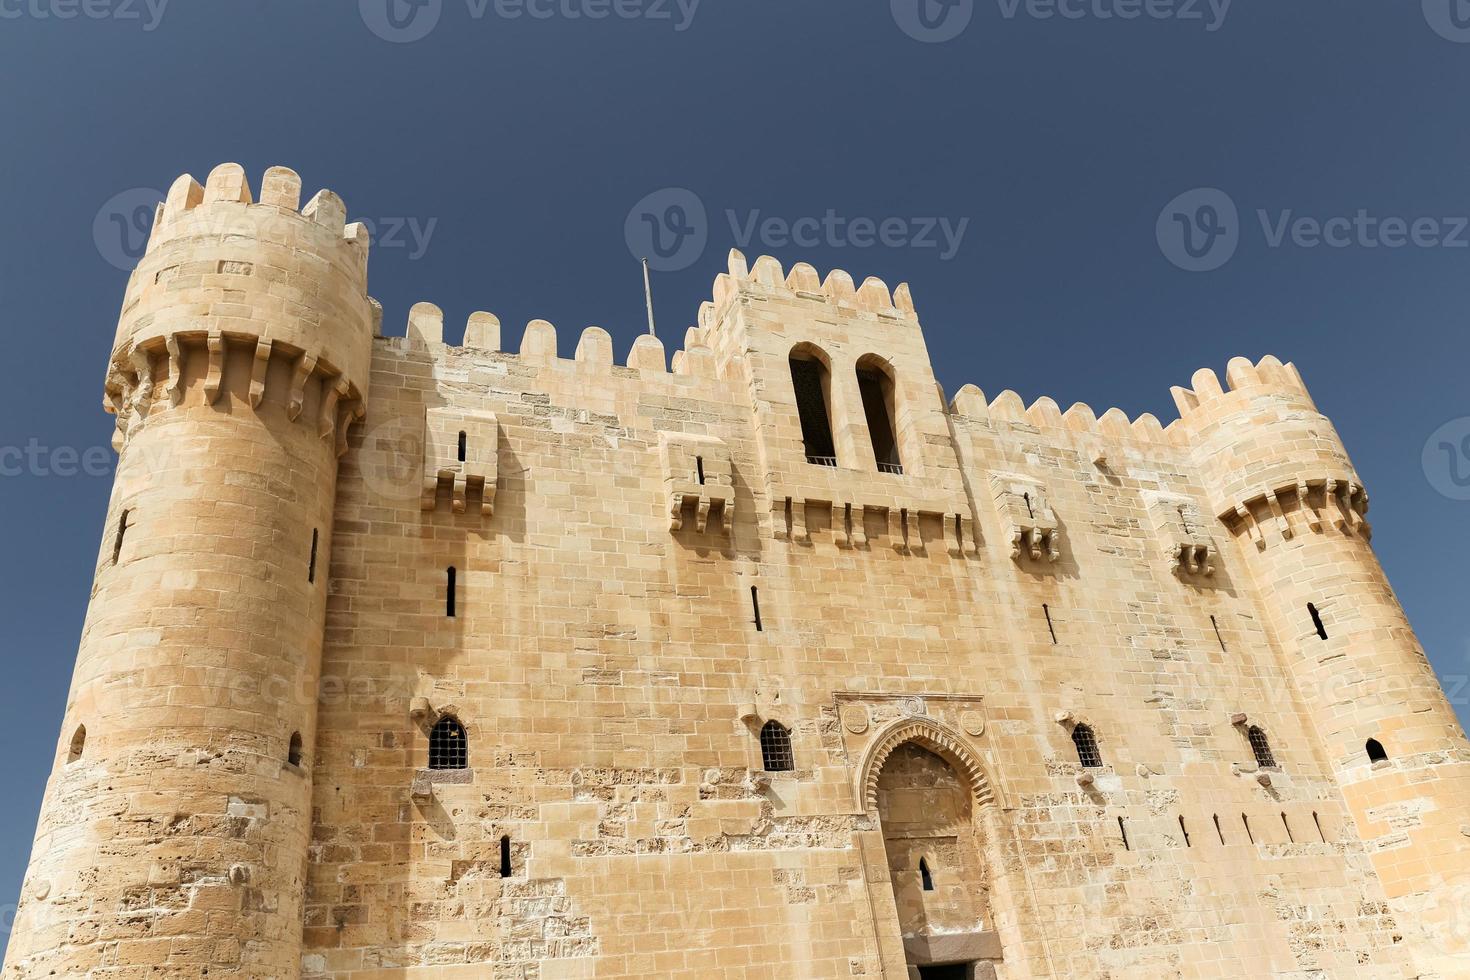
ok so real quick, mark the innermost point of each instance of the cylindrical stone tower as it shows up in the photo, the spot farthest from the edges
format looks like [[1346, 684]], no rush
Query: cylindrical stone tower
[[1280, 480], [173, 837]]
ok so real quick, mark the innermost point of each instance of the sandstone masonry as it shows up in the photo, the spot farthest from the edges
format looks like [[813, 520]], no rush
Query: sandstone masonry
[[414, 661]]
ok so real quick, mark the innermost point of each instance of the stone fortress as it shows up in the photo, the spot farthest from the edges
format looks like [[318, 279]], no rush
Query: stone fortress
[[414, 661]]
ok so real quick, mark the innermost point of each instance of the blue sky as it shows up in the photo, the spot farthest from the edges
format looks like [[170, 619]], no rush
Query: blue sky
[[1020, 163]]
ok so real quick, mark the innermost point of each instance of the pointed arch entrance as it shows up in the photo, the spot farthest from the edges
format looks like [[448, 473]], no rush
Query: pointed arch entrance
[[928, 792]]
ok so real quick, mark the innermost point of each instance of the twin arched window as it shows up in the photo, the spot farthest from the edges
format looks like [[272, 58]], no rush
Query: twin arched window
[[448, 746], [776, 754], [811, 381]]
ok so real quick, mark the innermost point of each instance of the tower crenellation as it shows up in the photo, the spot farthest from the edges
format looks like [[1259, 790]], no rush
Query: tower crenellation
[[456, 661]]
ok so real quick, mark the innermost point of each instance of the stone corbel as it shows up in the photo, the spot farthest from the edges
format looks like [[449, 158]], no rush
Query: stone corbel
[[257, 371], [215, 379], [347, 412], [174, 387], [304, 369], [333, 391]]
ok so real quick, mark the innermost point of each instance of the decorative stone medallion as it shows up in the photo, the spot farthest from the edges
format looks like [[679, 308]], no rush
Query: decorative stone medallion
[[855, 718], [973, 723], [911, 707]]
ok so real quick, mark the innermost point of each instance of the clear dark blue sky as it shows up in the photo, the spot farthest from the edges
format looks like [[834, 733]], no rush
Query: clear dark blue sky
[[527, 142]]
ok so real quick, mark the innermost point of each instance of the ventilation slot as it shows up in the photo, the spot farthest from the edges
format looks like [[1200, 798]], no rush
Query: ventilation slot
[[1050, 626], [311, 562], [450, 576], [1123, 832], [117, 540], [505, 868], [463, 446], [699, 469], [1318, 822], [1287, 824], [1247, 822], [1218, 638], [1185, 831], [1218, 832], [755, 606], [1317, 621], [925, 878]]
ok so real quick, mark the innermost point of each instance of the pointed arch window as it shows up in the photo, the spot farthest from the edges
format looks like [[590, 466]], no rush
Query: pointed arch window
[[926, 879], [78, 745], [1261, 747], [811, 380], [294, 753], [448, 746], [879, 394], [776, 754], [1376, 751], [1087, 751]]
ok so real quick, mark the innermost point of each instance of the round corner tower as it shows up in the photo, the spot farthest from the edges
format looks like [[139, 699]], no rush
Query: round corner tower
[[173, 835], [1280, 480]]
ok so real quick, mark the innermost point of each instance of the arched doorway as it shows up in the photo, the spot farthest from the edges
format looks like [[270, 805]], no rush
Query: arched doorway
[[926, 809]]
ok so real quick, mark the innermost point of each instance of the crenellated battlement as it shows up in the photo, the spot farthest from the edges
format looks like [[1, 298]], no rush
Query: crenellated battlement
[[226, 280]]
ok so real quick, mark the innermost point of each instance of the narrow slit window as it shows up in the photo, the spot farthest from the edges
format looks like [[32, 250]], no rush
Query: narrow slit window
[[699, 469], [1318, 821], [1086, 742], [1027, 497], [1261, 748], [464, 444], [1185, 831], [505, 865], [78, 745], [1287, 824], [117, 540], [1247, 822], [876, 387], [293, 754], [776, 753], [311, 562], [1317, 621], [755, 607], [812, 384], [1218, 831], [925, 878], [450, 576], [449, 748], [1050, 626], [1123, 832], [1218, 638], [1376, 751]]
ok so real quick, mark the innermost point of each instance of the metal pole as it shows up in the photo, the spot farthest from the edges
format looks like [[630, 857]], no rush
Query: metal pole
[[648, 296]]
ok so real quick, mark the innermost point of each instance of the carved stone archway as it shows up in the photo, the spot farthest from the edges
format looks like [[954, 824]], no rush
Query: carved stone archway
[[938, 738]]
